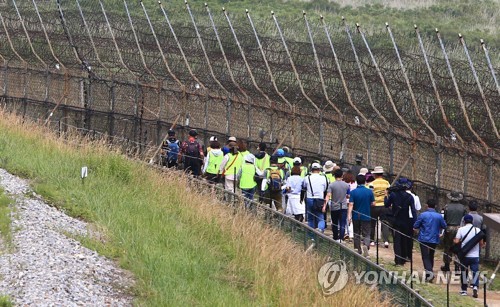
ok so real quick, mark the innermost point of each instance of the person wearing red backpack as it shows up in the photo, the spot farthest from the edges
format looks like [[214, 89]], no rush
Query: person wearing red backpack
[[192, 154]]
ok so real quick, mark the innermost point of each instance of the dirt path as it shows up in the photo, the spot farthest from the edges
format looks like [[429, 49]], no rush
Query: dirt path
[[386, 259]]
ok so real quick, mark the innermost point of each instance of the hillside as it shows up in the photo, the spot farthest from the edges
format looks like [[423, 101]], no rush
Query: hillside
[[474, 19], [182, 246]]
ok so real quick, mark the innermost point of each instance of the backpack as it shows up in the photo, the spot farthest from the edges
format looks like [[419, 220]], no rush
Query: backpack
[[192, 150], [172, 150], [275, 180]]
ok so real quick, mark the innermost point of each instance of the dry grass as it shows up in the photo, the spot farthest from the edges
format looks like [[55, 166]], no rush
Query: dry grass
[[262, 262]]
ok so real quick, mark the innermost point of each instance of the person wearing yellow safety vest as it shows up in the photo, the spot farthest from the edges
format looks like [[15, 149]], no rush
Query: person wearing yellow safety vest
[[274, 178], [297, 161], [243, 148], [328, 169], [229, 165], [212, 139], [282, 161], [246, 178], [288, 157], [261, 162], [212, 162]]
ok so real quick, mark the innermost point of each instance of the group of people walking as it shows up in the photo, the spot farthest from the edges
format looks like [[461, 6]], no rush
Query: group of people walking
[[359, 200]]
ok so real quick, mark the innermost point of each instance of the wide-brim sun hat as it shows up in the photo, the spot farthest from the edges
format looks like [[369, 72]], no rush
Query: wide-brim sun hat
[[378, 170], [231, 139], [328, 167], [455, 196]]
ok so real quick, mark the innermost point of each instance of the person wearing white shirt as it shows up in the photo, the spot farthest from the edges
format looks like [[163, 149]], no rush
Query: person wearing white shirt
[[316, 185], [471, 259], [294, 206]]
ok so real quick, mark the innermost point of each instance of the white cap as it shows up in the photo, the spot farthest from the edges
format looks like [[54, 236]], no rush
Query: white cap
[[297, 160], [315, 166], [250, 158], [232, 139], [213, 139], [363, 171]]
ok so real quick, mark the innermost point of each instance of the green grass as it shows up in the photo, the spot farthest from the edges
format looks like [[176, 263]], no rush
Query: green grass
[[474, 18], [5, 220], [435, 293], [149, 231], [5, 301], [182, 248]]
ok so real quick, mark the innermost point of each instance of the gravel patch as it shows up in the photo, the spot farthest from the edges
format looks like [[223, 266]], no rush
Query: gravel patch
[[44, 267]]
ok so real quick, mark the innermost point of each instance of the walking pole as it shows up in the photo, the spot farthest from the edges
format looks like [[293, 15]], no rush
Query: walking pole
[[164, 139], [376, 232], [484, 295], [448, 288], [411, 270], [234, 187]]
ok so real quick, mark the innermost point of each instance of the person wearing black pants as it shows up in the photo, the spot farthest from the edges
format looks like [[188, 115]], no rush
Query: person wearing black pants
[[403, 243], [404, 214], [430, 223]]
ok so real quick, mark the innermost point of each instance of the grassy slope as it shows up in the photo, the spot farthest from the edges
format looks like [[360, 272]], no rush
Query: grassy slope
[[5, 217], [474, 18], [182, 247]]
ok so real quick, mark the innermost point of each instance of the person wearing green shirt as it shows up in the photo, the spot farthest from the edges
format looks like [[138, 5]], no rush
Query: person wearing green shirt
[[274, 178], [212, 163], [246, 178], [262, 162]]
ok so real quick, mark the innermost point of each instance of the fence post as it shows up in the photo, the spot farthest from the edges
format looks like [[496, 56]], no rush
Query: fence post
[[25, 91], [228, 116], [392, 140], [249, 121], [491, 163], [369, 144], [47, 85], [205, 120], [466, 172], [88, 104], [111, 116], [437, 179], [136, 110], [321, 134], [158, 118]]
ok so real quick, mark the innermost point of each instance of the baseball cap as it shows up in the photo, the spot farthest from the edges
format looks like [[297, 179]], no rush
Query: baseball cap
[[315, 166], [297, 160]]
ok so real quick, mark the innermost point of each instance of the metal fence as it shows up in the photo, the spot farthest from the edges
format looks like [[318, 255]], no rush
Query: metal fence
[[327, 88], [400, 290], [396, 291]]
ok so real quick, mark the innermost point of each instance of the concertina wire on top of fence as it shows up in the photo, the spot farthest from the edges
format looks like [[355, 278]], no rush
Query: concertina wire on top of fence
[[329, 89], [396, 290]]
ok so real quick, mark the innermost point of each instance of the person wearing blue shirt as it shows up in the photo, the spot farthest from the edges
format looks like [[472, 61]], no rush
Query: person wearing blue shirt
[[360, 202], [430, 224]]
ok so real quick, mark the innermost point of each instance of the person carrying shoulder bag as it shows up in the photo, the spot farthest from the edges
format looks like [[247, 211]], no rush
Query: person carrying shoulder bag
[[470, 239], [316, 185]]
